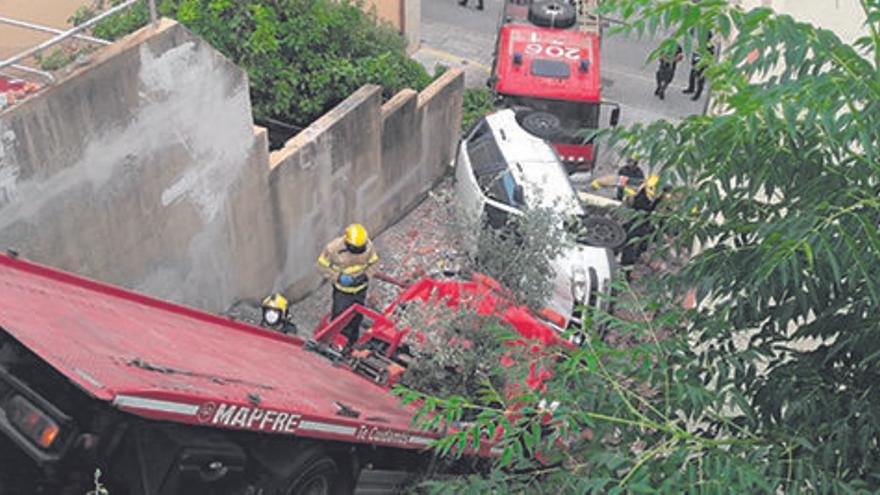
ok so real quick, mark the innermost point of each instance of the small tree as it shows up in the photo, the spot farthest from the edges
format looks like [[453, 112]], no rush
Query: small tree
[[518, 252], [456, 352]]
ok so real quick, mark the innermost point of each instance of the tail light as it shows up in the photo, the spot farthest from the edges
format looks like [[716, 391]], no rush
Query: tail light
[[32, 422]]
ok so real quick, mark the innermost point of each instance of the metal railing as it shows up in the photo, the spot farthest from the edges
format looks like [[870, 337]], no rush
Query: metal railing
[[60, 36]]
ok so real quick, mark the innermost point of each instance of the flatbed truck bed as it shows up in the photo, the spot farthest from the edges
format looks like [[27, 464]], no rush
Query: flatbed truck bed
[[92, 365]]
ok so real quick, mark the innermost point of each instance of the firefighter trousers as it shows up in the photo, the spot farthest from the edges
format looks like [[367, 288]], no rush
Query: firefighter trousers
[[343, 301]]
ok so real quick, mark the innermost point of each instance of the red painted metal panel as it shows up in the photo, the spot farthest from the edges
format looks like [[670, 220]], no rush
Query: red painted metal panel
[[582, 153], [571, 47]]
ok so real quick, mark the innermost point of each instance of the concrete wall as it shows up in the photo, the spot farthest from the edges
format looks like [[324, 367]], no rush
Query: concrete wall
[[144, 169], [361, 162]]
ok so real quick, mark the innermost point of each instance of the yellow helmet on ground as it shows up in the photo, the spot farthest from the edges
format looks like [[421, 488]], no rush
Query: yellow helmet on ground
[[356, 235]]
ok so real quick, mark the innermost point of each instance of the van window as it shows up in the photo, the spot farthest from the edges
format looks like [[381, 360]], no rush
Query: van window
[[502, 188], [477, 129], [485, 157], [488, 165]]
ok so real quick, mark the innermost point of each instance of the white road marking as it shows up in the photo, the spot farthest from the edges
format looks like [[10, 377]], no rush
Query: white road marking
[[451, 57]]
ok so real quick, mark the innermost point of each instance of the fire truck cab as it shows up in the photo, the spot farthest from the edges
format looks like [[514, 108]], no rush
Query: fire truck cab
[[546, 67]]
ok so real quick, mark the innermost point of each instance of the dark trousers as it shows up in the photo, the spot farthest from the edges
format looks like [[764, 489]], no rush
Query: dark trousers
[[638, 230], [343, 301], [664, 77], [696, 81]]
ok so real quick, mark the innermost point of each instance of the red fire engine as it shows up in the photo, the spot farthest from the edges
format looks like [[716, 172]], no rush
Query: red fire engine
[[169, 400], [546, 66]]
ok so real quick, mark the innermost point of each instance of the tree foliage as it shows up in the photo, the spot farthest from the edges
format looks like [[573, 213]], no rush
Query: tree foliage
[[770, 386], [456, 352], [302, 56]]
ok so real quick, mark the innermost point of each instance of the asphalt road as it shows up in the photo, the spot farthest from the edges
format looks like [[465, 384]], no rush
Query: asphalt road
[[464, 37]]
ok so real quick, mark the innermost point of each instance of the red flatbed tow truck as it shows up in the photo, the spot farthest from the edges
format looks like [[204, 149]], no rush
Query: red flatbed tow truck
[[166, 399]]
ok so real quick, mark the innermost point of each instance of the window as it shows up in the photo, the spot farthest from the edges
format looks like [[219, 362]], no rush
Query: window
[[489, 168], [484, 154], [542, 67], [501, 187]]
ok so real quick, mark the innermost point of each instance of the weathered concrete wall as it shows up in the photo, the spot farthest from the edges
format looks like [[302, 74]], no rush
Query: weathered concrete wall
[[144, 169], [364, 162]]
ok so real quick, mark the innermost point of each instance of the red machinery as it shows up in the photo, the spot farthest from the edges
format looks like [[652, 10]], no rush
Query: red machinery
[[381, 354]]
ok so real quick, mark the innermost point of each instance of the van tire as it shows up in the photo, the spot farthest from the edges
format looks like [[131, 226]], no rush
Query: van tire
[[540, 124], [552, 14], [602, 232]]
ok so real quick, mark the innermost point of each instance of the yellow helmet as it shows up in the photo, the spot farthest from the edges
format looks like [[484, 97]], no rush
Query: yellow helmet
[[274, 309], [650, 186], [276, 301], [356, 235]]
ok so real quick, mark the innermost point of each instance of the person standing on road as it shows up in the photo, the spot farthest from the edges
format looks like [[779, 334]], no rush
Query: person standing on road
[[697, 80], [348, 262], [666, 71], [464, 3]]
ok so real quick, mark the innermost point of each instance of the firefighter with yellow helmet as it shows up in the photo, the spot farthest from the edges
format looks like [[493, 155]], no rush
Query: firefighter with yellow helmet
[[348, 262], [276, 315], [640, 193]]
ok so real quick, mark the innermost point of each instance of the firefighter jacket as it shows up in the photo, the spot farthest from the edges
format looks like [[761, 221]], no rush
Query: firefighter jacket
[[336, 260]]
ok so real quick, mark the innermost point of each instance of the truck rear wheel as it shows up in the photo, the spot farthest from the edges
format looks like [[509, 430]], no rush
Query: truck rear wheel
[[552, 14], [313, 472]]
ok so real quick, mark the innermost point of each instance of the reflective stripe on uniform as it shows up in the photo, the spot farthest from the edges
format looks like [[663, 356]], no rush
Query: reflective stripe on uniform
[[353, 269], [323, 261], [350, 290]]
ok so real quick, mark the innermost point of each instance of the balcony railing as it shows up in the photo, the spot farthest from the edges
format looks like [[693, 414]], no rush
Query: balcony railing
[[13, 61]]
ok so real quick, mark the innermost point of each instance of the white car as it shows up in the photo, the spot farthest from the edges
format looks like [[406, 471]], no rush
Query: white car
[[524, 171]]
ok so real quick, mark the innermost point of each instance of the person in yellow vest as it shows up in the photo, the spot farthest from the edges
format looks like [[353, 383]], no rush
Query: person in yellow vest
[[348, 262], [641, 194]]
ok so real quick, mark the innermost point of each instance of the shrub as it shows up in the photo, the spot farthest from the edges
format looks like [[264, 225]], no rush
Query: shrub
[[475, 103], [302, 57]]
